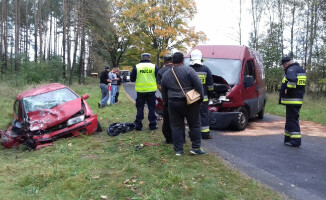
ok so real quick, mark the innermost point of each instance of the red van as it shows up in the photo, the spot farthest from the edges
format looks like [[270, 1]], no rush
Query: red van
[[239, 85]]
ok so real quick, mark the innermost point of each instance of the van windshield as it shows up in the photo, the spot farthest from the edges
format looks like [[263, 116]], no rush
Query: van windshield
[[227, 68]]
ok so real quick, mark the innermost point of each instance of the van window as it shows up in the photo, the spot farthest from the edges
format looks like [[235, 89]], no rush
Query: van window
[[250, 69], [228, 69]]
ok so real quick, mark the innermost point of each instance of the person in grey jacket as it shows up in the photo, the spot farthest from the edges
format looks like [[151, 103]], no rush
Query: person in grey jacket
[[114, 84], [177, 104]]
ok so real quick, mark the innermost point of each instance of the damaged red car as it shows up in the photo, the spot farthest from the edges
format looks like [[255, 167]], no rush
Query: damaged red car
[[46, 113]]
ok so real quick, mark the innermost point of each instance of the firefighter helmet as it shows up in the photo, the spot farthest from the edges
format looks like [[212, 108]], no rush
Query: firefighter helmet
[[196, 57]]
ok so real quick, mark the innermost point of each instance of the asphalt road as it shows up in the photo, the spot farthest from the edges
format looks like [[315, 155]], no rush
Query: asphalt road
[[258, 151]]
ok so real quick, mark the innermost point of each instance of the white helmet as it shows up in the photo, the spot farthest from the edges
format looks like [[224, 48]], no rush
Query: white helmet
[[196, 57]]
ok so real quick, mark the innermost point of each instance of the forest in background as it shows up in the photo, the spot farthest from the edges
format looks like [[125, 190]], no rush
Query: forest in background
[[64, 40]]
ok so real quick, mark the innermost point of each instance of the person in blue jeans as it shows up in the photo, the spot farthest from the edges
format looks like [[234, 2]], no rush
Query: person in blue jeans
[[114, 84], [104, 81]]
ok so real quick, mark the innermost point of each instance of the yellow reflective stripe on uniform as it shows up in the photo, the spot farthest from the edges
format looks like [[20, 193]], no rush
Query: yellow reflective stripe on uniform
[[205, 99], [210, 87], [301, 79], [202, 77], [284, 79], [291, 101], [145, 86], [291, 85], [295, 136], [205, 129], [287, 134]]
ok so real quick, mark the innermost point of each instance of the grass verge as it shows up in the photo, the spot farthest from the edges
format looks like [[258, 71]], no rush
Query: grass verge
[[313, 109], [100, 165]]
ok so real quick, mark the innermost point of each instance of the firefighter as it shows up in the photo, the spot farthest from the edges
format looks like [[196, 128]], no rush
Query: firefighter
[[144, 75], [205, 75], [166, 128], [291, 95]]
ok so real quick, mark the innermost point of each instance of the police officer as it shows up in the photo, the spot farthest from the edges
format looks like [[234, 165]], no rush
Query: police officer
[[166, 128], [144, 75], [205, 75], [291, 95]]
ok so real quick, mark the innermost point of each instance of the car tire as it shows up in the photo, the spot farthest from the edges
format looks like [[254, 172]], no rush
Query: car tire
[[99, 127], [260, 114], [242, 120]]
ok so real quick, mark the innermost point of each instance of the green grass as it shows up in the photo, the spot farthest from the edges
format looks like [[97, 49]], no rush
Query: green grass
[[313, 109], [88, 167]]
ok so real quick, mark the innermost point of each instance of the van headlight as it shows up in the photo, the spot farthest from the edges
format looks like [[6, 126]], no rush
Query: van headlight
[[75, 120]]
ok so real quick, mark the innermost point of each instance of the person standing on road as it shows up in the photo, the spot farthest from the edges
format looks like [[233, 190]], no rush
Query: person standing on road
[[104, 80], [178, 107], [291, 95], [114, 84], [118, 84], [144, 75], [205, 75], [166, 128]]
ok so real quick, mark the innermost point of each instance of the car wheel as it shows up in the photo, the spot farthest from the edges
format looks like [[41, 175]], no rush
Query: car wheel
[[242, 120], [261, 113], [99, 127]]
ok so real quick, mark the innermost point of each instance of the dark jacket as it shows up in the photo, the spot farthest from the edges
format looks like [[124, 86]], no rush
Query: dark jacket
[[294, 82], [205, 75], [161, 72], [133, 75], [104, 77], [188, 79]]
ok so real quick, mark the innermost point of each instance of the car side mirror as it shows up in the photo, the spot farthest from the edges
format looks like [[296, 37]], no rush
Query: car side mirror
[[85, 96], [248, 81]]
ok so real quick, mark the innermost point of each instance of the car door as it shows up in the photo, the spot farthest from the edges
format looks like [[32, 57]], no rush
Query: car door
[[251, 93]]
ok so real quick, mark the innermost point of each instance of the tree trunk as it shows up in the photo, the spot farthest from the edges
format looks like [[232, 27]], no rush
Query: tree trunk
[[55, 34], [40, 25], [77, 25], [17, 29], [313, 29], [5, 37], [35, 30], [27, 29], [68, 36], [292, 28], [64, 39], [82, 44], [1, 36], [281, 25], [50, 39]]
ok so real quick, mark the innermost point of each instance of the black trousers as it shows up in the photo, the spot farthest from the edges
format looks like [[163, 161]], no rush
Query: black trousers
[[142, 98], [292, 131], [178, 111], [204, 118], [166, 128]]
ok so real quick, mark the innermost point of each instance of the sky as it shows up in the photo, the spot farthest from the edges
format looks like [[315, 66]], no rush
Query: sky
[[219, 19]]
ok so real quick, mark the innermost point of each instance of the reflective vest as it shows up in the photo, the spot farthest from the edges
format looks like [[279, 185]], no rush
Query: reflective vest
[[294, 83], [145, 80]]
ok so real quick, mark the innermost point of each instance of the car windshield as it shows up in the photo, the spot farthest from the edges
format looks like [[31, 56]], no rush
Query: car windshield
[[227, 68], [48, 100]]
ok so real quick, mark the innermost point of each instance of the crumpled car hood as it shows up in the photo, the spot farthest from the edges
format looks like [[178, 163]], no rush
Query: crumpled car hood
[[46, 118]]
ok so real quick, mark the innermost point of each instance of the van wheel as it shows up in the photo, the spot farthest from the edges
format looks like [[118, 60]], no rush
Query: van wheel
[[261, 113], [242, 120]]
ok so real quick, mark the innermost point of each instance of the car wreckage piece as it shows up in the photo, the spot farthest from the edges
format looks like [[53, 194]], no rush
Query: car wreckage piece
[[46, 113]]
